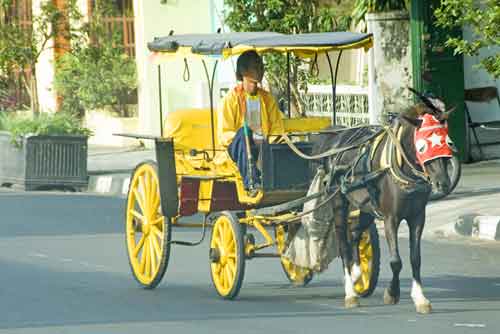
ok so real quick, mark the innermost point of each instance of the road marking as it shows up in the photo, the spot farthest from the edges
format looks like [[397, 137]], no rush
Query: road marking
[[412, 320], [103, 184], [126, 184], [66, 260], [39, 255], [470, 325]]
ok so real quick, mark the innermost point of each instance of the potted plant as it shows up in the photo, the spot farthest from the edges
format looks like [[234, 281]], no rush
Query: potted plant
[[48, 151]]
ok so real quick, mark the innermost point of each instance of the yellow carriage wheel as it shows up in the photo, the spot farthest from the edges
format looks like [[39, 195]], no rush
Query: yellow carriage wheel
[[227, 255], [369, 261], [299, 276], [147, 230]]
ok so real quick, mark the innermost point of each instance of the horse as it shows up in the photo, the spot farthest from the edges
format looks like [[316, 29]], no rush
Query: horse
[[387, 174]]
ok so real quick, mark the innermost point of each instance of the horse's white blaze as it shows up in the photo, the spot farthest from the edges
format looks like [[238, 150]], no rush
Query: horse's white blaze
[[355, 272], [417, 294], [349, 287]]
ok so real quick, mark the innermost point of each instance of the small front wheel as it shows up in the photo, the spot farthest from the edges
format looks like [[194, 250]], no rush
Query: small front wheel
[[147, 230], [298, 276], [369, 261], [227, 255]]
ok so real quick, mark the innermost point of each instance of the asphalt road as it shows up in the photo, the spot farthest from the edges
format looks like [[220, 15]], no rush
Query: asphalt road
[[64, 269]]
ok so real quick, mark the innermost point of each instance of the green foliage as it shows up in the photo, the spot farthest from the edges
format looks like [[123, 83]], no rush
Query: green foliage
[[483, 17], [22, 124], [96, 74], [285, 16], [20, 48], [363, 7]]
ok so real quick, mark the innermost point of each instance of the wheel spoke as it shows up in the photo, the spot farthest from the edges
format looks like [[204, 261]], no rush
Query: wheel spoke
[[153, 254], [157, 232], [137, 215], [229, 279], [158, 220], [139, 200], [232, 267], [227, 235], [156, 246], [217, 243], [139, 246], [147, 271], [143, 195], [142, 266], [154, 194], [155, 203]]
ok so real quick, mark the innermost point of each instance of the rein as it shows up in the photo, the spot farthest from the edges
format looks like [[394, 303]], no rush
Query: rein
[[330, 152], [399, 147], [382, 131]]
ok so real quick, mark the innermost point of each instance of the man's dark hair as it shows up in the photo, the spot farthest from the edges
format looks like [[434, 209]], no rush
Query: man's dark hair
[[249, 61]]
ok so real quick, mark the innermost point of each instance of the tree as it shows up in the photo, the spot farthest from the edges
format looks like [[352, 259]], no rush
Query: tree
[[96, 72], [483, 17], [20, 49], [290, 17]]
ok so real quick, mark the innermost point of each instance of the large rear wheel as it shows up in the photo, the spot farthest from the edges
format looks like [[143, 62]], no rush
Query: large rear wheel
[[227, 255], [299, 276], [369, 261], [147, 230]]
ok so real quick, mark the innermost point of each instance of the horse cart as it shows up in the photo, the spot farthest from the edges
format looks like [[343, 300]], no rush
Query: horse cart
[[193, 174]]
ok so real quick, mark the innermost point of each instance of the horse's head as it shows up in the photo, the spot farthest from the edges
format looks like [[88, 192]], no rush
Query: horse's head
[[433, 146]]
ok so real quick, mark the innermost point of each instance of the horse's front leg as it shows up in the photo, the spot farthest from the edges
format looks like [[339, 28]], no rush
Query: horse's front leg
[[345, 250], [416, 227], [391, 226]]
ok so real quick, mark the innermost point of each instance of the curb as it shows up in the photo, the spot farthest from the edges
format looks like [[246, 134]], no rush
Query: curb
[[479, 226], [109, 183]]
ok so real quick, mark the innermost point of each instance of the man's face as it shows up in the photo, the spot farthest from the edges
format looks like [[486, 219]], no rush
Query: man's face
[[250, 85]]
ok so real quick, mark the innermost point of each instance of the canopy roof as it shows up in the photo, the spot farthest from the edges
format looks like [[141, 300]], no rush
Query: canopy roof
[[229, 44]]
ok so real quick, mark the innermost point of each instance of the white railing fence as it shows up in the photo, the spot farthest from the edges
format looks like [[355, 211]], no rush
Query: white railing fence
[[351, 103]]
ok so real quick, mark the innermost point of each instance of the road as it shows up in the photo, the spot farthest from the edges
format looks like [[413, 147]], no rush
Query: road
[[65, 270]]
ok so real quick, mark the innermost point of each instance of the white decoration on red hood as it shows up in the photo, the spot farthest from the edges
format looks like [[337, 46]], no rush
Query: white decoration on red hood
[[429, 143], [435, 139]]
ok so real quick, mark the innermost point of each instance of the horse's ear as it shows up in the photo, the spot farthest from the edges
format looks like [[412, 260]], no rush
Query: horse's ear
[[416, 122], [446, 114]]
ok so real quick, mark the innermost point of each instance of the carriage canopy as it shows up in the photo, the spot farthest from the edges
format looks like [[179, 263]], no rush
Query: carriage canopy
[[229, 44]]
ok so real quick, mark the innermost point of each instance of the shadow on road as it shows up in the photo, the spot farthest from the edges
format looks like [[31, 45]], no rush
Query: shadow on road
[[70, 298]]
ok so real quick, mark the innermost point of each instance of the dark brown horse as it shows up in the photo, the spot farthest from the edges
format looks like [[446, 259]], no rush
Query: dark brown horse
[[382, 177]]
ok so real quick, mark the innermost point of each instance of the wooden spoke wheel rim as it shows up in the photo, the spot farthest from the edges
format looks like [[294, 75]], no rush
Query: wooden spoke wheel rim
[[147, 230], [369, 262], [227, 255], [297, 275]]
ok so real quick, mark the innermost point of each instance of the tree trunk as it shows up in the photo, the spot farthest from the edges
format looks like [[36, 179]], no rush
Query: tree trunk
[[31, 87]]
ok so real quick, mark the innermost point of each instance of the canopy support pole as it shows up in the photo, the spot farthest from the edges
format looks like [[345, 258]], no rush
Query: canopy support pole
[[160, 100], [210, 80], [334, 85], [289, 98]]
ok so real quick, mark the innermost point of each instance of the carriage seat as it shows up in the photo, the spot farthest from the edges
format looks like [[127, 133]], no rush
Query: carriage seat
[[190, 128]]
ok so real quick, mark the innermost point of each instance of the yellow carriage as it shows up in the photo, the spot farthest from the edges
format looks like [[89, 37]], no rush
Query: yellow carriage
[[193, 174]]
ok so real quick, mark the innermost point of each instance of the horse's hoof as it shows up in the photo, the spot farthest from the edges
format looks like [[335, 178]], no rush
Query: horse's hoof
[[425, 308], [388, 299], [351, 302]]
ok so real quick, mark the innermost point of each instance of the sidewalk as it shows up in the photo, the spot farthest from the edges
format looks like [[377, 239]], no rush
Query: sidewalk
[[477, 194], [110, 168]]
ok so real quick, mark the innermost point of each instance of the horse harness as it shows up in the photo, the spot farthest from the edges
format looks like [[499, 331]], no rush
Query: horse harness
[[360, 174]]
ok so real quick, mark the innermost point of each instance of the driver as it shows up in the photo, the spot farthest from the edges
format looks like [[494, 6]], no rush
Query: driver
[[248, 104]]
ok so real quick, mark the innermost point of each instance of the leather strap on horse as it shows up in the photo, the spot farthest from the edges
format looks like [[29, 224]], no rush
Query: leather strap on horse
[[399, 147], [328, 153]]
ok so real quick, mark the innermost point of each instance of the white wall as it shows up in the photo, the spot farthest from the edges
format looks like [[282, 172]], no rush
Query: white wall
[[474, 77], [155, 20]]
